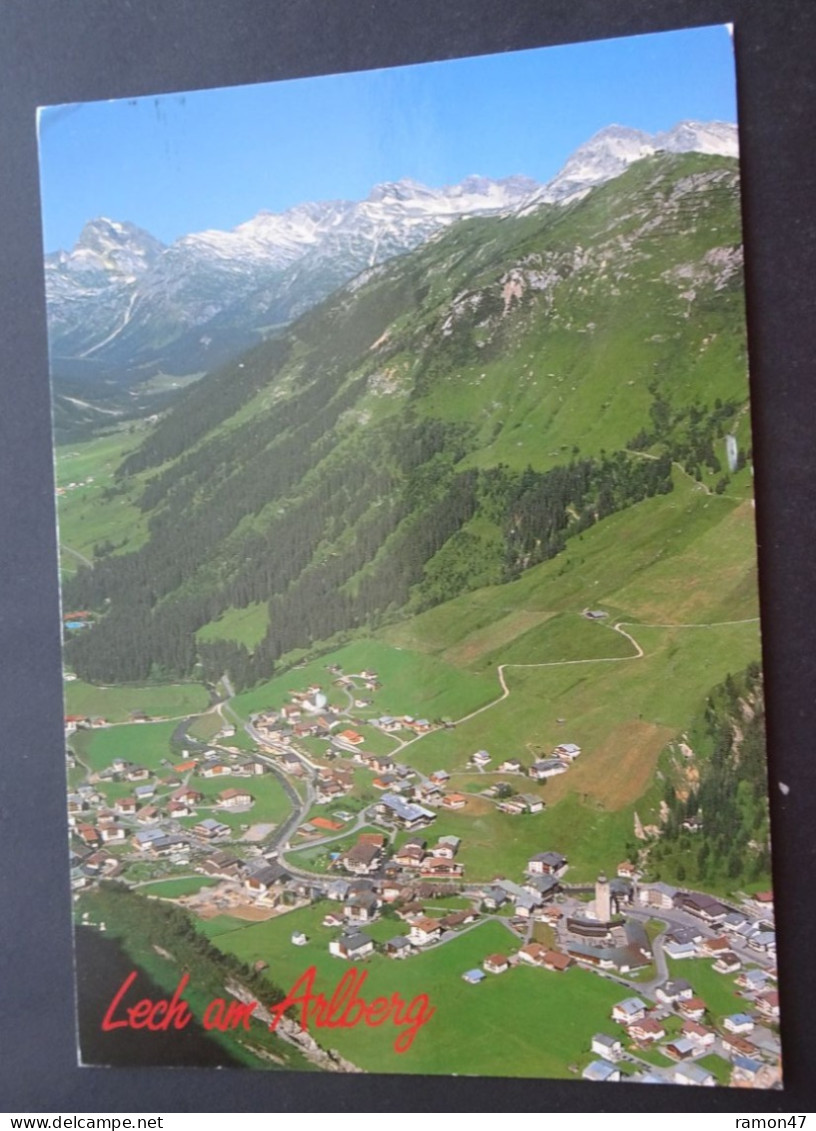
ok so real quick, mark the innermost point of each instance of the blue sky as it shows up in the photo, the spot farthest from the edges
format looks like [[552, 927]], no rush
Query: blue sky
[[181, 163]]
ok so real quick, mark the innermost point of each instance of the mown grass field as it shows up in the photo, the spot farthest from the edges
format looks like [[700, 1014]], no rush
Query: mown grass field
[[484, 641], [718, 991], [245, 626], [567, 636], [98, 458], [523, 1023], [412, 683], [597, 700], [219, 925], [145, 744], [175, 700], [720, 1069], [687, 557], [205, 727], [497, 844], [271, 805], [173, 889], [376, 741]]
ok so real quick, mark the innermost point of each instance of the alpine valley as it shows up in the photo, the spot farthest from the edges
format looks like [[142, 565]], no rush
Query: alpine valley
[[455, 544]]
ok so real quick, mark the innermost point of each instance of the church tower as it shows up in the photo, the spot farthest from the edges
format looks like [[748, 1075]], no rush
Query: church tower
[[603, 899]]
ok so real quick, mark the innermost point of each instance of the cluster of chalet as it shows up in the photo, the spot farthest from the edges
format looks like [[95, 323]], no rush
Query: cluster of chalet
[[735, 925], [559, 762], [375, 881], [361, 901], [518, 803], [88, 867], [607, 1070], [407, 802], [212, 766], [260, 880], [746, 1040], [435, 862], [434, 792], [308, 715], [531, 954], [366, 857], [390, 775], [73, 723], [332, 784], [395, 810], [146, 819], [689, 942], [265, 881], [751, 1064], [390, 724], [417, 857]]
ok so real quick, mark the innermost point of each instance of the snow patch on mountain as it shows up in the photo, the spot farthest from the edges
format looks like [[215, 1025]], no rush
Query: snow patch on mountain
[[123, 298]]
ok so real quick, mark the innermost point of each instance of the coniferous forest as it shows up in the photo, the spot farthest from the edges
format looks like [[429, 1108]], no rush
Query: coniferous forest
[[717, 830]]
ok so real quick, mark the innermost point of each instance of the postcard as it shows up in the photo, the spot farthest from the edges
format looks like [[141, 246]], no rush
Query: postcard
[[413, 688]]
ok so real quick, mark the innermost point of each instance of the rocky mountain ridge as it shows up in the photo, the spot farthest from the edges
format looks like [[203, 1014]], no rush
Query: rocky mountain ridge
[[123, 307]]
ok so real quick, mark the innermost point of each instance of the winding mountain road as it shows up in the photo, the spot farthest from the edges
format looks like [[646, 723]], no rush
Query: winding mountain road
[[619, 627], [302, 806]]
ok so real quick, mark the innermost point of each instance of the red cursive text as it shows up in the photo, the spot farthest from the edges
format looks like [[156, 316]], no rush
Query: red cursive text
[[346, 1008], [146, 1014]]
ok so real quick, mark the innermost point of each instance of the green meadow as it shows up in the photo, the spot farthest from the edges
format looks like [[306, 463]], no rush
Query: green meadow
[[497, 844], [115, 704], [687, 557], [88, 515], [174, 889], [245, 626], [412, 683], [718, 991], [145, 744], [271, 805], [205, 727], [525, 1022]]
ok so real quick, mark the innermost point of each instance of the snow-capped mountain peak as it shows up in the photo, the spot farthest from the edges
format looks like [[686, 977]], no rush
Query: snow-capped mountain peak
[[603, 157], [700, 137], [120, 296]]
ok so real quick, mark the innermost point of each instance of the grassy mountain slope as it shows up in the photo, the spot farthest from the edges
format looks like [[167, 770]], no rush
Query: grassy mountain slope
[[569, 679], [446, 422]]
